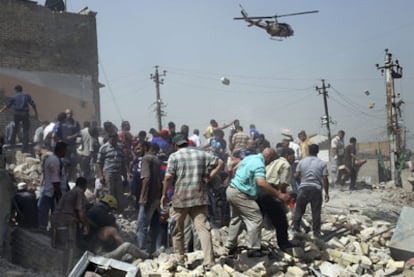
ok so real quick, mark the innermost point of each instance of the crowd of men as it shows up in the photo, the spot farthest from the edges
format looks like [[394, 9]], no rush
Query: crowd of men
[[171, 173]]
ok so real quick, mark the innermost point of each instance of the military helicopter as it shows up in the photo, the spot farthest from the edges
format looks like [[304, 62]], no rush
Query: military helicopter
[[272, 27]]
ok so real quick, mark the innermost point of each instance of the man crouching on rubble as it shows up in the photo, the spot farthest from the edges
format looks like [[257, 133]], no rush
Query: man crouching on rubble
[[67, 220], [104, 231], [103, 223]]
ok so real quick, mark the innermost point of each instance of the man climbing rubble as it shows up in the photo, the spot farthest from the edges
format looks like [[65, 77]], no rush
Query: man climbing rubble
[[192, 169]]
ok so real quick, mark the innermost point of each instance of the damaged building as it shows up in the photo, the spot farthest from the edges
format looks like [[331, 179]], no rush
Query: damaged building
[[53, 55]]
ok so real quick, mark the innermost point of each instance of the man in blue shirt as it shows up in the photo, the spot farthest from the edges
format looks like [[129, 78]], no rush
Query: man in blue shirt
[[312, 174], [242, 194], [21, 102]]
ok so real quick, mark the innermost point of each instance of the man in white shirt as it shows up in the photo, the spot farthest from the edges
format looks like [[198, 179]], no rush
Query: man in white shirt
[[338, 152], [196, 138]]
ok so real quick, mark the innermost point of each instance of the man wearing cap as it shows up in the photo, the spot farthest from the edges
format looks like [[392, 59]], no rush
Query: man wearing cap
[[21, 102], [111, 168], [191, 169], [24, 207]]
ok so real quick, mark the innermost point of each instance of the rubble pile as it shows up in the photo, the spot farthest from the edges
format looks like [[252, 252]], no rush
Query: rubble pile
[[352, 245], [26, 169], [357, 228]]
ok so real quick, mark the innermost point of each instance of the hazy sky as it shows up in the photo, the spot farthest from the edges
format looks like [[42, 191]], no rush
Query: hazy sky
[[272, 83]]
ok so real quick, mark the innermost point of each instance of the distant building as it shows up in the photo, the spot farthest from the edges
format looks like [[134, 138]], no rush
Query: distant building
[[53, 55]]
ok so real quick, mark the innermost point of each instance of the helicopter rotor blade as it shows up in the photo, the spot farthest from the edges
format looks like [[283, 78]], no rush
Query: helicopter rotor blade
[[254, 17], [291, 14]]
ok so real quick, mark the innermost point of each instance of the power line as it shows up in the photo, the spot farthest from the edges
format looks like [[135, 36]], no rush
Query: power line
[[108, 85]]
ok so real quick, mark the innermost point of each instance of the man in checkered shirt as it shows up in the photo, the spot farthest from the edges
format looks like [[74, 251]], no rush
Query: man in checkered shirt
[[191, 169]]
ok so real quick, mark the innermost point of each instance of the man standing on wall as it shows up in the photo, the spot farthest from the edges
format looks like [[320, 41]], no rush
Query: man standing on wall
[[21, 102]]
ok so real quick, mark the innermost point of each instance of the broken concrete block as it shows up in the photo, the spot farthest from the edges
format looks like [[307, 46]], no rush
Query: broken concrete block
[[335, 243], [295, 271], [356, 269], [347, 259], [367, 233], [365, 262], [357, 249], [334, 255], [402, 242], [344, 240], [194, 258], [248, 262], [229, 269], [329, 269], [364, 248], [219, 271], [398, 265]]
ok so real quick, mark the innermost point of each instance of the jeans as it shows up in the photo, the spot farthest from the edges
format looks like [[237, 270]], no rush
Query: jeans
[[313, 196], [149, 218], [46, 204]]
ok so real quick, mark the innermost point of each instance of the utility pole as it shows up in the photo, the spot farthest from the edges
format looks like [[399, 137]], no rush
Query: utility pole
[[325, 119], [158, 82], [392, 71]]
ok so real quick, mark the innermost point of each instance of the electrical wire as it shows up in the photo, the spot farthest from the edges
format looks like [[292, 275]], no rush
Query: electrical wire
[[108, 85]]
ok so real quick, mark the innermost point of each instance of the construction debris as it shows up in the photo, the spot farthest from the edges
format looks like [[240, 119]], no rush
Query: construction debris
[[356, 241]]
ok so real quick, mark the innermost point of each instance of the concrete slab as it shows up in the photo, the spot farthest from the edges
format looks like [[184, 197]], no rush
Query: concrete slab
[[402, 242]]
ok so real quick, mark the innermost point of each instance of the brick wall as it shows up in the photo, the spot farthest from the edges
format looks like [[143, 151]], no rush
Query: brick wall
[[35, 39]]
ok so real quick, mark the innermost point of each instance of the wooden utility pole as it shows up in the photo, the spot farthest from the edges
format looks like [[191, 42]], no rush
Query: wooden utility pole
[[392, 71], [159, 104], [326, 120]]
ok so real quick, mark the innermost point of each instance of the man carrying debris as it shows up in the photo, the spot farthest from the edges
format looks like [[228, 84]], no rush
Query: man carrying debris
[[312, 174], [242, 194], [278, 176], [68, 219], [191, 169], [352, 163], [21, 102]]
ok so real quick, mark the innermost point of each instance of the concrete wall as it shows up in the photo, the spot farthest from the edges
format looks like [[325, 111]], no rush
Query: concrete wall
[[53, 56], [32, 250]]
